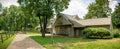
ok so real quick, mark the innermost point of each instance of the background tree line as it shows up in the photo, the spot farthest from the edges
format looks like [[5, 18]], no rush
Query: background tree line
[[100, 9], [44, 10], [13, 19], [30, 13]]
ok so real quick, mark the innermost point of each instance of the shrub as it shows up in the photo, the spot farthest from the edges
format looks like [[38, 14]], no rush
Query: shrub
[[116, 33], [96, 32], [89, 32], [103, 32], [2, 31]]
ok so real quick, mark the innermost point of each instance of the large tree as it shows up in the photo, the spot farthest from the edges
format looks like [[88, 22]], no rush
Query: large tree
[[116, 17], [9, 17], [98, 9], [14, 19], [44, 9]]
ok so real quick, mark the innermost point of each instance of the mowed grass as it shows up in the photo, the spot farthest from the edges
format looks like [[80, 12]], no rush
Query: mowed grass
[[77, 43], [32, 32], [6, 43]]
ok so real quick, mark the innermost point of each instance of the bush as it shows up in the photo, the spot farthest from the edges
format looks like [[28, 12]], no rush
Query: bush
[[116, 33], [89, 32], [96, 32], [2, 31]]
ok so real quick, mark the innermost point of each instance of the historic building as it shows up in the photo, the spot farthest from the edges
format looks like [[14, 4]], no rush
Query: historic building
[[72, 26]]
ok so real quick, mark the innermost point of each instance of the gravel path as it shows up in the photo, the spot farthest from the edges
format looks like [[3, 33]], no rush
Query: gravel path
[[22, 41]]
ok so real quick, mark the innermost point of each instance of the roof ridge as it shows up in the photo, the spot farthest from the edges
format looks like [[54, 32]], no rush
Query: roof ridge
[[95, 18]]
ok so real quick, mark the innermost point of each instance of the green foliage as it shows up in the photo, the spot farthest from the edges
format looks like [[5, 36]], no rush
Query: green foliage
[[44, 9], [6, 43], [9, 18], [1, 31], [89, 31], [116, 17], [13, 19], [103, 32], [32, 32], [116, 33], [47, 40], [96, 32], [98, 9]]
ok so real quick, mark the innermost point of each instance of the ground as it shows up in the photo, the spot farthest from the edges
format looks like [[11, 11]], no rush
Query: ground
[[22, 41], [6, 43], [35, 41], [77, 43]]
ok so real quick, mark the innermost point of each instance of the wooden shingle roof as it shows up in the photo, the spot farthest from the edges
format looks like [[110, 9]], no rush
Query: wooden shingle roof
[[94, 22], [77, 22]]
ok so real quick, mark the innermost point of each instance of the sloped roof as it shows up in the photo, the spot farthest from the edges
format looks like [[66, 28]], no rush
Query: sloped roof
[[77, 22], [97, 21], [74, 20]]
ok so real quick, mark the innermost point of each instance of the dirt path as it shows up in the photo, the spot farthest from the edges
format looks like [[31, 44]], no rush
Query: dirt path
[[22, 41]]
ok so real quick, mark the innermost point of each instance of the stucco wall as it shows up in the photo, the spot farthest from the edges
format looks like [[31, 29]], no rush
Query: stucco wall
[[70, 31], [62, 30], [77, 32]]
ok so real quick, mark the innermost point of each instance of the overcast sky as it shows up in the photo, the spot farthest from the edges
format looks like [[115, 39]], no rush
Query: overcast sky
[[76, 7]]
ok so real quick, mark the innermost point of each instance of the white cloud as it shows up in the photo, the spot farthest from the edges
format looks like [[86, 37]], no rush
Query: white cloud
[[112, 5], [7, 3], [78, 7]]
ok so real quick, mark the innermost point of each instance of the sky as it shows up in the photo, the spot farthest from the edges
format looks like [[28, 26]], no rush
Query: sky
[[76, 7], [79, 7]]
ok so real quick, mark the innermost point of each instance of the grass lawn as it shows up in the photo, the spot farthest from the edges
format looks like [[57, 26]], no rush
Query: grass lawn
[[6, 43], [77, 43], [33, 32]]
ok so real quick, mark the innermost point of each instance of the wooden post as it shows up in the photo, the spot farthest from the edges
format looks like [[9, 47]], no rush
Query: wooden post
[[52, 41], [1, 38], [6, 36], [111, 28], [52, 35]]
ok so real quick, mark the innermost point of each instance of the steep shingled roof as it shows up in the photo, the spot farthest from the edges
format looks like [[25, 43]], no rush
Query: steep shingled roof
[[97, 21], [77, 22]]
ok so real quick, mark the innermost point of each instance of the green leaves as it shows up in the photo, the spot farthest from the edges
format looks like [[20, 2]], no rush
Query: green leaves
[[13, 18], [116, 17], [44, 9], [98, 9], [116, 33], [96, 32]]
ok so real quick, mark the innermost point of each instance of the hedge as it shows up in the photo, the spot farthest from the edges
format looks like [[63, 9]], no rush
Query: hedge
[[116, 33], [96, 32]]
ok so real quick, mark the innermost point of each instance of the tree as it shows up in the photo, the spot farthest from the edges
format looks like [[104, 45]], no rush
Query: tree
[[13, 19], [44, 9], [3, 19], [98, 9], [116, 17]]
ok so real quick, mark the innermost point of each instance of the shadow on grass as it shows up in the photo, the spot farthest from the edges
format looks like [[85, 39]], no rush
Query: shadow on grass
[[47, 40]]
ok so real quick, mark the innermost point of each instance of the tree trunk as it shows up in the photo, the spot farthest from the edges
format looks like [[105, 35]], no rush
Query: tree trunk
[[41, 22], [25, 26], [43, 33]]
